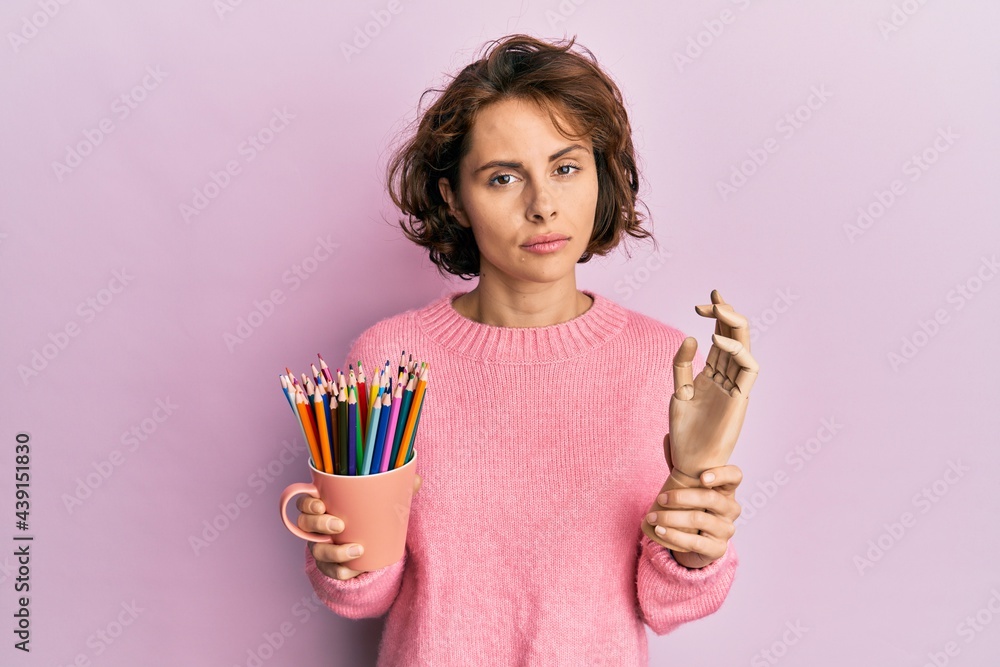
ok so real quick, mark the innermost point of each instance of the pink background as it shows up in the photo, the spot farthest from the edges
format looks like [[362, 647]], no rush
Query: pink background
[[831, 302]]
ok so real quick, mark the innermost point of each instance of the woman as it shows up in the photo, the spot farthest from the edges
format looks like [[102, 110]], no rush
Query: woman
[[544, 532]]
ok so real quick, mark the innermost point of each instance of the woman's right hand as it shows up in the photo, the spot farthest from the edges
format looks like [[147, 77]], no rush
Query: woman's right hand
[[314, 519]]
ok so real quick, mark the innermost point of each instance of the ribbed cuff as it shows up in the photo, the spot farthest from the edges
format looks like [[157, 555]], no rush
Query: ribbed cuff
[[661, 558], [367, 595]]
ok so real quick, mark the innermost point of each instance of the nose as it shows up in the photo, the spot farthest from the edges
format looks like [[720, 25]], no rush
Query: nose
[[541, 204]]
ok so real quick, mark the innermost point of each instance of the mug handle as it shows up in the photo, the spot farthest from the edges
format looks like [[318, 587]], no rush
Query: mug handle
[[286, 495]]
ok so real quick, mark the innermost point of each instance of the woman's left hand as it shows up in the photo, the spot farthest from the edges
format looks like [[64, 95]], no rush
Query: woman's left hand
[[709, 512]]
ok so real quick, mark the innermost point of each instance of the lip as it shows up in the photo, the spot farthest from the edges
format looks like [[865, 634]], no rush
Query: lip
[[544, 238]]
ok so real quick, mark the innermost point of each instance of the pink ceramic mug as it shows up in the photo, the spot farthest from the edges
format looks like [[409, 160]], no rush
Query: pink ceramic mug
[[375, 510]]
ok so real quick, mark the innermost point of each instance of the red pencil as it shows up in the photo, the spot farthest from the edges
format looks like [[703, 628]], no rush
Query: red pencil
[[362, 398]]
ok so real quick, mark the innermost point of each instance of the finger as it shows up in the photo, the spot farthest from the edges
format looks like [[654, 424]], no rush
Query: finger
[[325, 524], [705, 310], [712, 525], [683, 374], [744, 381], [335, 553], [659, 539], [718, 362], [723, 364], [335, 570], [310, 505], [699, 544], [416, 482], [737, 329], [703, 500], [723, 479], [748, 365], [713, 353], [733, 321], [712, 361]]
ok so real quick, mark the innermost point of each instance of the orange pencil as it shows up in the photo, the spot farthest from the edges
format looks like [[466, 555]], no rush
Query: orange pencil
[[324, 435], [411, 418], [310, 428]]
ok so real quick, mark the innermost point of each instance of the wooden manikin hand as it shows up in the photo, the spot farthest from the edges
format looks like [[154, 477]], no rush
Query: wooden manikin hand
[[706, 416]]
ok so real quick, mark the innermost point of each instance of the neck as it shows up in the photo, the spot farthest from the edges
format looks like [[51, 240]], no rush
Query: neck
[[521, 307]]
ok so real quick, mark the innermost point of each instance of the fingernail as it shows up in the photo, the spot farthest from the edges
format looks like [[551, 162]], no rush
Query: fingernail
[[662, 499], [335, 524], [651, 517], [661, 531], [354, 550], [709, 477]]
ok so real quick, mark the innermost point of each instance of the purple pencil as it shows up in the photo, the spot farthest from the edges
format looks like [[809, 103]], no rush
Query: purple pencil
[[390, 429]]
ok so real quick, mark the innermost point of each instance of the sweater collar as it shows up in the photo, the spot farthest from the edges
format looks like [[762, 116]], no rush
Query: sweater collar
[[556, 342]]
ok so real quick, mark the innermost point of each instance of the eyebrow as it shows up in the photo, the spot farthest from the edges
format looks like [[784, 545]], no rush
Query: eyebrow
[[517, 165]]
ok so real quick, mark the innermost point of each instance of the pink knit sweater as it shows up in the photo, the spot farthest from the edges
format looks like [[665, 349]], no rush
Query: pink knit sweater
[[540, 451]]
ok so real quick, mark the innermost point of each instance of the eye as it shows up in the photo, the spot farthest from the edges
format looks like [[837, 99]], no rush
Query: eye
[[491, 181], [495, 181]]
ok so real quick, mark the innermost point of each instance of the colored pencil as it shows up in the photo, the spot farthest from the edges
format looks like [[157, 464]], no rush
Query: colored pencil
[[342, 427], [298, 417], [383, 422], [370, 440], [331, 423], [324, 368], [390, 429], [359, 452], [355, 425], [401, 424], [362, 396], [411, 419], [324, 434], [413, 438], [309, 428], [352, 419], [284, 388], [373, 394]]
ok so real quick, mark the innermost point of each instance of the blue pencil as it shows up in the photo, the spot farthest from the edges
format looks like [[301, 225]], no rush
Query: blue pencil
[[372, 430], [288, 393], [329, 428], [382, 425]]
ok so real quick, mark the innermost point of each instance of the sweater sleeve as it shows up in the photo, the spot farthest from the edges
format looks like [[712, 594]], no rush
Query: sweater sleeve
[[368, 595], [671, 594]]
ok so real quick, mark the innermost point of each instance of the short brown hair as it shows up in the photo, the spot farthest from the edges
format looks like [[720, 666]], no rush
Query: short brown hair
[[517, 67]]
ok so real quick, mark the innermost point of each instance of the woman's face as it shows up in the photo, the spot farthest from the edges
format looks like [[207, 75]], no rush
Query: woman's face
[[520, 179]]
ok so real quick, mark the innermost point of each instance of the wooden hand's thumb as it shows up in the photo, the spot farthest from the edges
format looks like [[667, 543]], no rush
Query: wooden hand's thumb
[[683, 371]]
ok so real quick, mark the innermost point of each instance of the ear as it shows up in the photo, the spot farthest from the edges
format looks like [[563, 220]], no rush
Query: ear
[[450, 196]]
